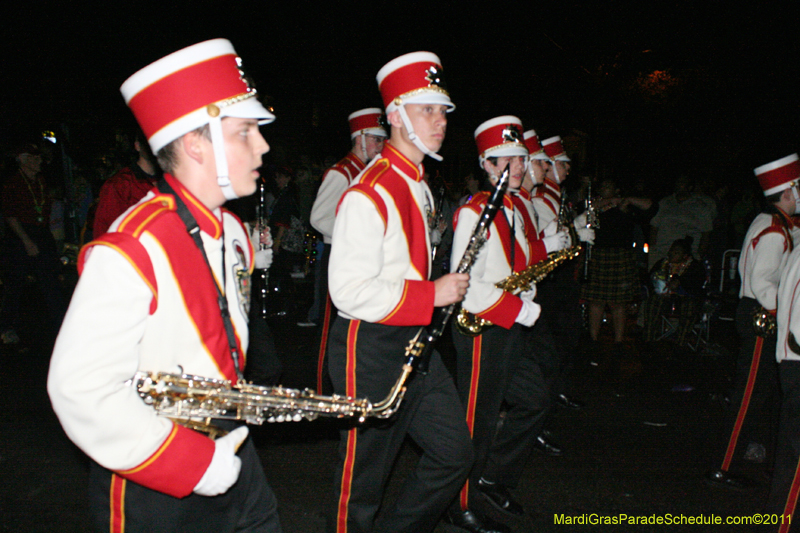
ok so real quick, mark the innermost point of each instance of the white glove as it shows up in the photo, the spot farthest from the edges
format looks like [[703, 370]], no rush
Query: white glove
[[223, 471], [557, 242], [528, 295], [263, 259], [529, 313], [586, 235], [551, 228], [580, 221]]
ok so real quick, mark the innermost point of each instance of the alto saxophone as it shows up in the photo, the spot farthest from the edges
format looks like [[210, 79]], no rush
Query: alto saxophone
[[195, 402], [471, 325]]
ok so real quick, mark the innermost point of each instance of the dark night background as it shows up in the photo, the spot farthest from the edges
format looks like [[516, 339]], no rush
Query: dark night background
[[650, 89]]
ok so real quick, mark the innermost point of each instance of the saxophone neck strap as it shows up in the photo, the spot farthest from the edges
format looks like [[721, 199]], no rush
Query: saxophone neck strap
[[194, 231]]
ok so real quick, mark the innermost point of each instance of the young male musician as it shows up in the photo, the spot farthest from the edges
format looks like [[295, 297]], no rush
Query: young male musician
[[378, 279], [770, 239], [367, 136], [484, 361], [154, 296]]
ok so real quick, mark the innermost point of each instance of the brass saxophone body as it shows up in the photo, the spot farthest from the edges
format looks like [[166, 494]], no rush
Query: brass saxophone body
[[196, 402], [471, 325]]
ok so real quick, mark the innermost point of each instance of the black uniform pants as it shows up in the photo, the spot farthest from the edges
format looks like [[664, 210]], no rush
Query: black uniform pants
[[755, 400], [786, 478], [528, 402], [482, 367], [365, 360], [248, 506]]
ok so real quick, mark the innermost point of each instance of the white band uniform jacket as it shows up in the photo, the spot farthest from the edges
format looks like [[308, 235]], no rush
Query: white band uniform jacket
[[765, 251], [493, 263], [145, 301], [380, 259], [335, 182]]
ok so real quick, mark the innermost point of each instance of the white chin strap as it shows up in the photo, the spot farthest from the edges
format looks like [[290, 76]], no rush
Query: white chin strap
[[796, 200], [555, 171], [364, 146], [413, 136], [218, 143]]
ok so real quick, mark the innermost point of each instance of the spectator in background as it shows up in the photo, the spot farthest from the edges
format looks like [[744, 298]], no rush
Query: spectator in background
[[29, 245], [611, 275], [126, 187], [681, 214], [677, 283], [288, 234]]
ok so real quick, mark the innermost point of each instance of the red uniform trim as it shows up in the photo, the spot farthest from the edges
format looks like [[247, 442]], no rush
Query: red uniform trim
[[132, 250], [177, 465], [372, 194], [781, 223], [537, 249], [748, 393], [324, 342], [213, 80], [350, 166], [550, 192], [117, 504], [472, 400], [791, 501], [504, 312], [352, 435], [414, 306]]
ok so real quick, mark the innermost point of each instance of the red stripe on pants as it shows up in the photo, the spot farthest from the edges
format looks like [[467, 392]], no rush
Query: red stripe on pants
[[748, 392], [471, 402], [323, 343]]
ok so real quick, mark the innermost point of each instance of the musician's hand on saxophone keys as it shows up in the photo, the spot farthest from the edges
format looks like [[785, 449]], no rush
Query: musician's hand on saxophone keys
[[558, 241], [450, 289]]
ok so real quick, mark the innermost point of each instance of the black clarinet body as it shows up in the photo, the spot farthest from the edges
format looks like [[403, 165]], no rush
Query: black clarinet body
[[421, 346]]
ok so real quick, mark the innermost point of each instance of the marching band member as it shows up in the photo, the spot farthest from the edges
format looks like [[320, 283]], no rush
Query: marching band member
[[484, 361], [367, 135], [770, 239], [157, 294], [378, 279], [782, 499], [559, 295]]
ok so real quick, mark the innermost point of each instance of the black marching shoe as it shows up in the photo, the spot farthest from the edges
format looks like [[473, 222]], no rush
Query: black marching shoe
[[469, 521], [570, 403], [726, 480], [543, 445], [500, 498]]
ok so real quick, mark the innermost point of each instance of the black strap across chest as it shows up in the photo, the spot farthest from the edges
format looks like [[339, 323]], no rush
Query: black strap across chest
[[194, 231]]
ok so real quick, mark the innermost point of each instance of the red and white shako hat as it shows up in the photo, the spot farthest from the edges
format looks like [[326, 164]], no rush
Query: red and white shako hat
[[554, 149], [415, 78], [779, 175], [500, 136], [366, 121], [534, 146], [188, 89]]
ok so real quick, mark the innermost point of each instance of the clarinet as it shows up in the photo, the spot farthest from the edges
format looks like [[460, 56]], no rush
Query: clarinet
[[262, 223], [591, 217], [421, 346], [437, 218]]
